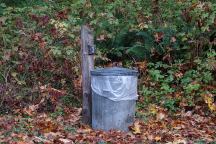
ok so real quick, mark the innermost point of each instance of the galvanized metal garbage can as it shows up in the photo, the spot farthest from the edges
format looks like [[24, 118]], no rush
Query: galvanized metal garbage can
[[114, 95]]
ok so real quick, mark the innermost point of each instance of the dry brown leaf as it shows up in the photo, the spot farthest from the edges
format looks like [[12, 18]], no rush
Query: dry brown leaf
[[52, 135], [47, 126], [21, 142], [180, 141], [150, 137], [84, 129], [65, 141], [157, 138], [142, 66], [161, 116], [30, 110], [41, 140]]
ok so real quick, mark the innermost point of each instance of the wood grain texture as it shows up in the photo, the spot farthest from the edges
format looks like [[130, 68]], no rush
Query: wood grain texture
[[87, 65]]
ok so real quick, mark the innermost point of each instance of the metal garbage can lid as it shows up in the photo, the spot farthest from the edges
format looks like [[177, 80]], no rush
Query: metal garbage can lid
[[114, 71]]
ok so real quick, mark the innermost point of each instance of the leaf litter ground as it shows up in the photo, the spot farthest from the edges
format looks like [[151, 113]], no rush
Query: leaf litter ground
[[155, 125]]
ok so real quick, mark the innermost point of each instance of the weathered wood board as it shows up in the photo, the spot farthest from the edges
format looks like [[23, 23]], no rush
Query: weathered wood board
[[87, 52]]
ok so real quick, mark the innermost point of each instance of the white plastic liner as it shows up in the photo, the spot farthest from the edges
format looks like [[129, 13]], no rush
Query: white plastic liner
[[115, 88]]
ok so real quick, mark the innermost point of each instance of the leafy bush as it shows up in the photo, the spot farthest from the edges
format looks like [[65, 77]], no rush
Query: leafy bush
[[39, 43], [178, 85], [38, 48]]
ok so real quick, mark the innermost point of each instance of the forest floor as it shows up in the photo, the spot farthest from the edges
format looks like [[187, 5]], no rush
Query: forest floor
[[155, 125]]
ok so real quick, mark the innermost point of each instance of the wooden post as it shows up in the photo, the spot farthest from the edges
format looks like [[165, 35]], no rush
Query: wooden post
[[87, 52]]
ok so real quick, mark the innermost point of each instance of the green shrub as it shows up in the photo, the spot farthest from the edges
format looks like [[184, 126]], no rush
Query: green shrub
[[176, 85], [40, 43]]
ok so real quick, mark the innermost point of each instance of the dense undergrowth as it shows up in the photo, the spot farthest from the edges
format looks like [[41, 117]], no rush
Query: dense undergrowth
[[171, 42]]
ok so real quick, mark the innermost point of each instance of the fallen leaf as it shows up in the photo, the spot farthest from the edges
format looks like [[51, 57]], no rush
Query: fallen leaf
[[161, 116], [136, 128], [180, 141], [41, 140], [153, 109], [30, 110], [157, 138], [150, 137], [84, 129], [65, 141], [209, 99], [21, 142], [51, 135], [47, 126]]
